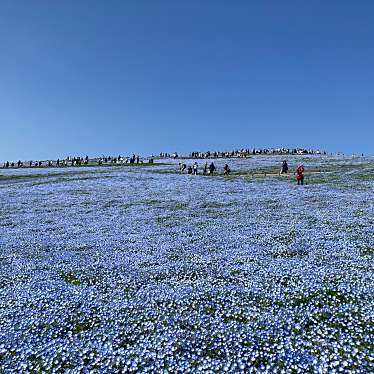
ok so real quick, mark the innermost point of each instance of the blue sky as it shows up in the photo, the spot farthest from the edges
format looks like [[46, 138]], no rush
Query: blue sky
[[107, 77]]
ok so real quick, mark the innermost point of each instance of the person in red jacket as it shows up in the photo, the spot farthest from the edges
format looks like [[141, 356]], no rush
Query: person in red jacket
[[300, 174]]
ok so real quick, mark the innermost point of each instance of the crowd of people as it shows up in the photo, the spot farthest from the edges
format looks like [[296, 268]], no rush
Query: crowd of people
[[210, 170], [135, 159], [76, 161], [245, 152], [207, 170], [68, 161]]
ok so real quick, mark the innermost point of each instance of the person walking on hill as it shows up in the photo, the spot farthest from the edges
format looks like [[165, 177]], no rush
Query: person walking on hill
[[284, 169], [182, 167], [195, 166], [212, 168], [205, 171], [300, 174], [226, 170]]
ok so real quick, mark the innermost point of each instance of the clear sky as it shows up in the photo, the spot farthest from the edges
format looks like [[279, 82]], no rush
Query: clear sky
[[107, 77]]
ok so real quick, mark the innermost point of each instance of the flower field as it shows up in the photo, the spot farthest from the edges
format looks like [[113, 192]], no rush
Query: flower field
[[135, 269]]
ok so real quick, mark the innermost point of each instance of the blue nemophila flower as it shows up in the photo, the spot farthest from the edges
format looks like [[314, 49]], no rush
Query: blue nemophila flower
[[149, 271]]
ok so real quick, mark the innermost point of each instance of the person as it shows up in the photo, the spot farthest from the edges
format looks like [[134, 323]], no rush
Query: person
[[226, 170], [205, 172], [212, 168], [195, 166], [284, 169], [182, 167], [300, 174], [189, 169]]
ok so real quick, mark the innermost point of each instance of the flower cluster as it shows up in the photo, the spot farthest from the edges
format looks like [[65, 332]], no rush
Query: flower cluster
[[148, 270]]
